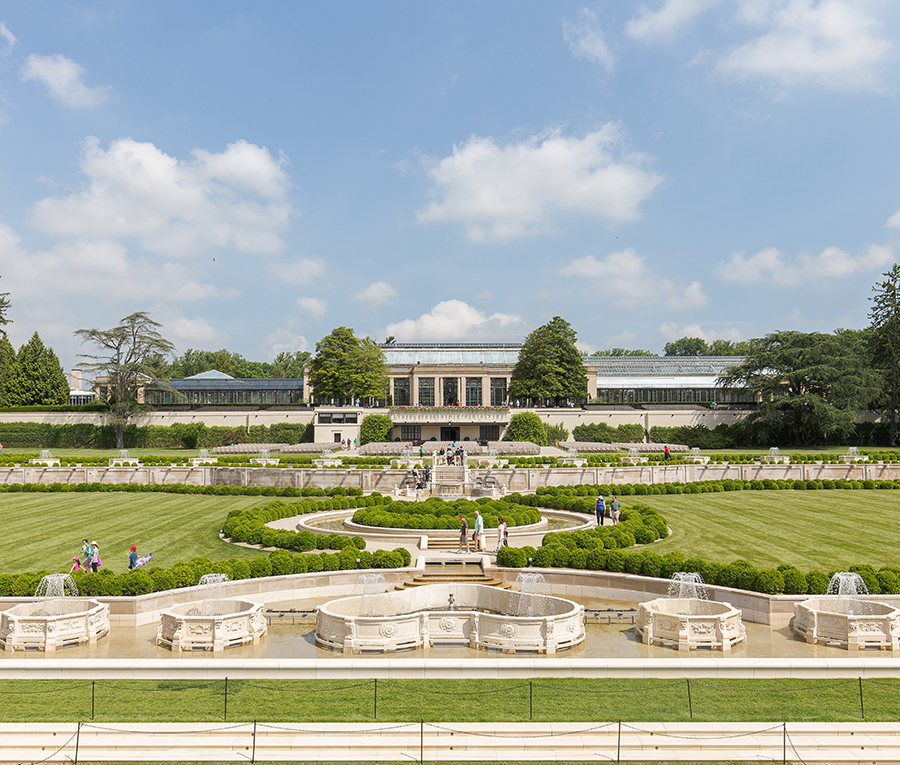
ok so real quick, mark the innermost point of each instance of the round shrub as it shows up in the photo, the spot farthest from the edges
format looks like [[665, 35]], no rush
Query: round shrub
[[794, 581], [260, 567], [817, 582], [512, 557], [769, 581]]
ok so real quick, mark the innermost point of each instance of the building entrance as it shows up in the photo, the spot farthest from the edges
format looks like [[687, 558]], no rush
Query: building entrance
[[451, 391], [449, 434]]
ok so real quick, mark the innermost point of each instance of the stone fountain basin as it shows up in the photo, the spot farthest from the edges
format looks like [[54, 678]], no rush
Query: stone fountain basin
[[46, 625], [831, 619], [233, 623], [421, 616], [690, 623]]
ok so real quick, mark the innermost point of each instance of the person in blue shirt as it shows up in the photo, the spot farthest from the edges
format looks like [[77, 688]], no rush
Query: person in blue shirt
[[132, 558], [600, 510]]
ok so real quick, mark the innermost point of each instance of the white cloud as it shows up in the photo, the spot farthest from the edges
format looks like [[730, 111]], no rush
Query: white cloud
[[664, 24], [298, 272], [188, 333], [894, 220], [63, 78], [171, 206], [315, 307], [624, 278], [771, 265], [8, 38], [586, 39], [503, 192], [672, 331], [830, 42], [456, 320], [376, 294], [286, 339]]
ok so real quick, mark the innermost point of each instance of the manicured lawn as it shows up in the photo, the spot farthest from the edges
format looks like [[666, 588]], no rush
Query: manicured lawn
[[44, 531], [826, 530], [544, 700]]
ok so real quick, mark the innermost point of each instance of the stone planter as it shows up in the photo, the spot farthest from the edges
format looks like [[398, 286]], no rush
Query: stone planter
[[237, 622], [690, 623], [828, 620], [51, 624]]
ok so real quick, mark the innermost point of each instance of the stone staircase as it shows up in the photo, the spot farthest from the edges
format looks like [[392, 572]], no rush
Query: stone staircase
[[477, 576], [448, 479]]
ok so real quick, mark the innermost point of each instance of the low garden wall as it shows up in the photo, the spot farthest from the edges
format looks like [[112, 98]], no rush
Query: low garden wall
[[384, 481]]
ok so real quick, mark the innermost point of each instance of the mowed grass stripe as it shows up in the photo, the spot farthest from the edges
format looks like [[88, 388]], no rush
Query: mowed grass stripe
[[827, 530], [44, 531]]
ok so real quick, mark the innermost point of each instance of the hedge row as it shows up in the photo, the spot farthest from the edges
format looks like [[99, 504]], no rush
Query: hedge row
[[29, 435], [142, 581], [547, 494], [249, 525], [181, 488], [435, 513]]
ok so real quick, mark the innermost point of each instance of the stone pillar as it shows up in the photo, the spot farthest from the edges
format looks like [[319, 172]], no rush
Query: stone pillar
[[414, 389]]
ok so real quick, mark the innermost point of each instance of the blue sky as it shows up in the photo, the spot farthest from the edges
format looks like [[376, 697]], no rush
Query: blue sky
[[256, 174]]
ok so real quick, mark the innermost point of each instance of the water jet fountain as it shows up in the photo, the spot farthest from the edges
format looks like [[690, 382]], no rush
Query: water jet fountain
[[842, 616], [212, 623], [45, 458], [686, 618], [124, 458], [57, 618]]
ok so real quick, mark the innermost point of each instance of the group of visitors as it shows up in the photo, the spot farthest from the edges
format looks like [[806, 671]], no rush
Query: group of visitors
[[92, 561], [478, 535], [455, 455], [421, 479], [611, 511], [348, 443]]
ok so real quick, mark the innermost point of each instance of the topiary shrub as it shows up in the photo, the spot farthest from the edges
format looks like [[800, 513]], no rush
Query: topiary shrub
[[260, 567], [888, 581], [794, 581], [769, 581], [512, 557], [817, 582]]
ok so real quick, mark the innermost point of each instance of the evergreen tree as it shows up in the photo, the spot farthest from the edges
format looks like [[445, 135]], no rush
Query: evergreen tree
[[36, 378], [549, 365], [7, 362], [885, 316]]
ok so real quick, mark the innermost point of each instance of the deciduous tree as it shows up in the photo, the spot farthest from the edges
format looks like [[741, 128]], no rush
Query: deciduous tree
[[125, 361], [346, 367], [375, 428], [549, 365], [527, 426]]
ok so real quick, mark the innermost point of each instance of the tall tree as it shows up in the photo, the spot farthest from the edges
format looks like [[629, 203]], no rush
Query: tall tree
[[619, 352], [125, 361], [291, 365], [549, 365], [7, 362], [687, 346], [346, 367], [36, 378], [885, 325], [5, 305], [810, 386]]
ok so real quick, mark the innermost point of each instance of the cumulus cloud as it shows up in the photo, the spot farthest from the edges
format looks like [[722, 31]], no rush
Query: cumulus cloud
[[456, 320], [831, 42], [501, 192], [187, 332], [63, 78], [667, 22], [315, 307], [175, 207], [7, 40], [625, 279], [894, 220], [286, 339], [771, 265], [298, 272], [673, 331], [376, 294], [586, 39]]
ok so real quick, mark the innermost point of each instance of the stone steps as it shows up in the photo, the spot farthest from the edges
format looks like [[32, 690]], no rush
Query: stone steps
[[477, 577]]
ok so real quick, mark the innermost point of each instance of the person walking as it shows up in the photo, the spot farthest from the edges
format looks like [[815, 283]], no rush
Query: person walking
[[501, 532], [463, 533], [600, 510], [96, 562], [76, 565], [132, 558], [615, 509], [666, 452], [479, 532], [87, 553]]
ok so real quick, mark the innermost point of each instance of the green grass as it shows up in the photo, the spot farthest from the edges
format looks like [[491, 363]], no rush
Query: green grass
[[827, 530], [545, 700], [44, 531]]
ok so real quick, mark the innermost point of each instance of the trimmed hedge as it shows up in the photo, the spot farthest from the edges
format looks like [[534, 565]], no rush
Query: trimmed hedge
[[181, 488], [142, 581], [435, 513]]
